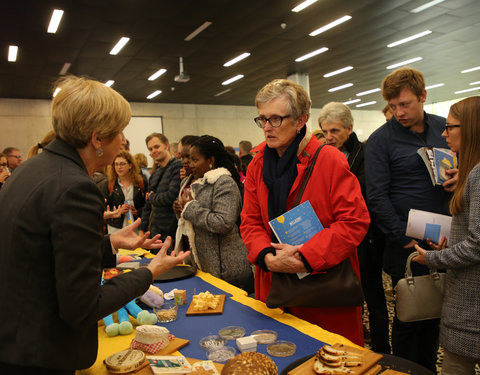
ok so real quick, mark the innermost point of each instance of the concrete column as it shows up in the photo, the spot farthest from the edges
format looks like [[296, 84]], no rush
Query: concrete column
[[303, 80]]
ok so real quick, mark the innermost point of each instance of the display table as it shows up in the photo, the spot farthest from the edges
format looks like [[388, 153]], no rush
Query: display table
[[239, 310]]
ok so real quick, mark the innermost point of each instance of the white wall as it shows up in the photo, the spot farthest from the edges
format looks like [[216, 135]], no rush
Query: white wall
[[24, 122]]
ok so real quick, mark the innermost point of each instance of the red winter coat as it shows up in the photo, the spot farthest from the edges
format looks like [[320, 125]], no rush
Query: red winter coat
[[335, 195]]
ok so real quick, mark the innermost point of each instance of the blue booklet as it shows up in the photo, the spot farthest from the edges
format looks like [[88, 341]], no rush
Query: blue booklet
[[296, 226], [437, 161]]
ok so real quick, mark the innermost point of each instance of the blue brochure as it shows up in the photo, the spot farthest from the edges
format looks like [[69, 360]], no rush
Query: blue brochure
[[296, 226]]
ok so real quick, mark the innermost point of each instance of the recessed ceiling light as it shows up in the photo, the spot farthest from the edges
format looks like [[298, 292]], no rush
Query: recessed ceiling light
[[57, 90], [197, 31], [237, 59], [64, 69], [467, 90], [352, 101], [233, 79], [365, 104], [12, 53], [120, 44], [55, 21], [434, 86], [157, 74], [396, 65], [426, 6], [335, 72], [368, 92], [474, 83], [340, 87], [330, 25], [223, 92], [109, 83], [303, 5], [470, 70], [154, 94], [311, 54], [408, 39]]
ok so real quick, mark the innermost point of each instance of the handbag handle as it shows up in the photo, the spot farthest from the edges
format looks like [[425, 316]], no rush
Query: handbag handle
[[408, 270], [307, 177]]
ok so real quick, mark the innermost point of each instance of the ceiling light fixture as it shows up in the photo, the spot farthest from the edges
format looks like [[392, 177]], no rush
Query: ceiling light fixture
[[64, 69], [120, 44], [157, 74], [340, 87], [352, 101], [408, 39], [55, 21], [365, 104], [434, 86], [57, 90], [109, 83], [368, 92], [223, 92], [197, 31], [396, 65], [474, 83], [335, 72], [12, 53], [237, 59], [233, 79], [311, 54], [303, 5], [470, 70], [467, 90], [330, 25], [426, 6], [154, 94]]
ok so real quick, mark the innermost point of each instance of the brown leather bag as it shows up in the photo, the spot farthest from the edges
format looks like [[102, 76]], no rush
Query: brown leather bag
[[337, 286]]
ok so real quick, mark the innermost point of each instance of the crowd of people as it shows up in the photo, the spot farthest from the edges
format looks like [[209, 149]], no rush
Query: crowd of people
[[204, 204]]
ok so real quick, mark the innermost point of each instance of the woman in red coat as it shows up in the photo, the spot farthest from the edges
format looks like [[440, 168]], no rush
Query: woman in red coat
[[273, 180]]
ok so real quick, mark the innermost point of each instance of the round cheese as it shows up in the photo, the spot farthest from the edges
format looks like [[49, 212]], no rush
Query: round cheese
[[125, 361]]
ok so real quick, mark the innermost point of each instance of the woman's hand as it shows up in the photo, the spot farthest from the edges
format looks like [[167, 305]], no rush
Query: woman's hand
[[183, 173], [421, 257], [134, 210], [163, 262], [441, 245], [4, 175], [126, 238], [177, 207], [287, 259], [451, 184], [112, 214]]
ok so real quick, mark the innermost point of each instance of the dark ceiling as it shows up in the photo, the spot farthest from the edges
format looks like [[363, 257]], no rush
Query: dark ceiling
[[157, 29]]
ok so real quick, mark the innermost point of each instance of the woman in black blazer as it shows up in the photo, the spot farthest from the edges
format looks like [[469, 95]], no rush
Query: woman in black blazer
[[52, 248]]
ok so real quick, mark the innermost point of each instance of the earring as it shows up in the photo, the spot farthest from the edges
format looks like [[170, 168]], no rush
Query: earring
[[298, 131], [99, 151], [210, 166]]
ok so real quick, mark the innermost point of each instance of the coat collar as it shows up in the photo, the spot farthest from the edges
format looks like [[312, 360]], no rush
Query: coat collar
[[59, 147], [212, 176]]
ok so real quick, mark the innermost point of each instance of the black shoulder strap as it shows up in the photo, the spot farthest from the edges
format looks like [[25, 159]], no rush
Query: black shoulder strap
[[307, 177]]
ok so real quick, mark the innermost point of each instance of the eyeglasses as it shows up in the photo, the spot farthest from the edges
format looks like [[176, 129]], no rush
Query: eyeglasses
[[14, 156], [3, 164], [275, 121], [120, 164], [449, 127]]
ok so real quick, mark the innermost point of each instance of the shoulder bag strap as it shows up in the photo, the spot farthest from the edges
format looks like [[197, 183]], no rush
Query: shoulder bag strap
[[307, 177]]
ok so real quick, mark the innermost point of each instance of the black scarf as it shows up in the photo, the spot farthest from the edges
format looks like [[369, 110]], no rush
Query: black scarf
[[279, 173]]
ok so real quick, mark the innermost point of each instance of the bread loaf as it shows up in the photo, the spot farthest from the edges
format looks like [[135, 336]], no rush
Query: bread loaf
[[251, 363]]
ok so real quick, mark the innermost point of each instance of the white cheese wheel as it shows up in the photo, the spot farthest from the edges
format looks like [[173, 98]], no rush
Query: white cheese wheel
[[151, 334]]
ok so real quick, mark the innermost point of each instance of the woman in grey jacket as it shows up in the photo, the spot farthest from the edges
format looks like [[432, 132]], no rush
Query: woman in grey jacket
[[210, 219], [459, 327]]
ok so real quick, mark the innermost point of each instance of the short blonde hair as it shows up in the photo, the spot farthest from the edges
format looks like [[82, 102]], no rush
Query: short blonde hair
[[84, 106], [298, 99]]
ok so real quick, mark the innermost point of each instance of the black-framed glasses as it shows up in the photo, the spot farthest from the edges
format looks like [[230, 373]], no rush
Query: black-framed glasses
[[3, 164], [120, 164], [14, 156], [449, 127], [275, 121]]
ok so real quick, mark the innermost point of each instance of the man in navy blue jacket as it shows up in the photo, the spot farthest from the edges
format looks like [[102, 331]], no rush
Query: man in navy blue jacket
[[397, 180]]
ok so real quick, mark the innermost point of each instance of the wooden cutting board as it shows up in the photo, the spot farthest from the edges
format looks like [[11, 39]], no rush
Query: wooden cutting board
[[216, 311], [172, 347], [370, 360], [393, 372]]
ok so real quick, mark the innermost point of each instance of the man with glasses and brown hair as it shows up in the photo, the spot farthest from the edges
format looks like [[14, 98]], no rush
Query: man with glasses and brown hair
[[14, 159], [397, 181]]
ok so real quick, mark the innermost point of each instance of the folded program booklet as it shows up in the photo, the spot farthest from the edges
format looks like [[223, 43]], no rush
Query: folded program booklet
[[437, 161], [422, 225]]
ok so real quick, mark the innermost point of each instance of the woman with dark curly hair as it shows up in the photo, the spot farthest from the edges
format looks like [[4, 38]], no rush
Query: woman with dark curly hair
[[210, 217]]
